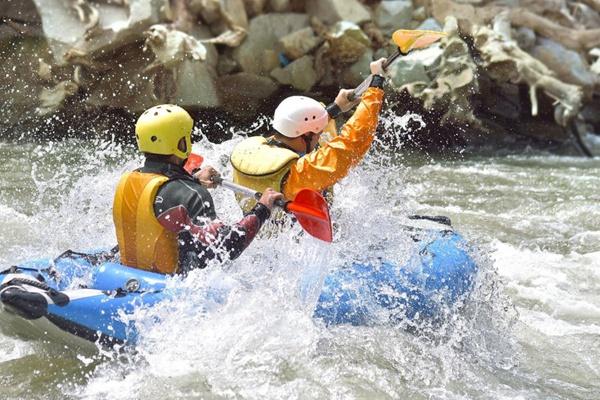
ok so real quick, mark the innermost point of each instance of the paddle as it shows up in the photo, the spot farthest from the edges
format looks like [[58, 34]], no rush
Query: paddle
[[406, 40], [193, 162], [309, 208]]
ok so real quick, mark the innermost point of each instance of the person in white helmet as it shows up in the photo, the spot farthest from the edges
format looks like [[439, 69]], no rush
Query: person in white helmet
[[291, 159]]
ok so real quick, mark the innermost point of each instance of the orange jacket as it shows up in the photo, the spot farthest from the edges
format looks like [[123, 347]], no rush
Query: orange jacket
[[323, 167]]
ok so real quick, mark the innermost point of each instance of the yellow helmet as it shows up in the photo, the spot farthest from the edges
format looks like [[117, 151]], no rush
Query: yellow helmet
[[159, 130]]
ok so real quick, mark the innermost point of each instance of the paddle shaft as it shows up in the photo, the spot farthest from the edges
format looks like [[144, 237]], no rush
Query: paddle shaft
[[360, 89], [247, 191]]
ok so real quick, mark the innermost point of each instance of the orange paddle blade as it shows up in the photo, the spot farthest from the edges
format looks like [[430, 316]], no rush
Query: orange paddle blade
[[408, 40], [312, 212], [193, 162]]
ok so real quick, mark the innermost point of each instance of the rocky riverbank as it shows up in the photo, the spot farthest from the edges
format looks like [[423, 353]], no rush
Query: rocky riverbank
[[509, 71]]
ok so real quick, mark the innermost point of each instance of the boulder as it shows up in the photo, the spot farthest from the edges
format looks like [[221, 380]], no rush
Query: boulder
[[347, 42], [568, 65], [209, 10], [430, 24], [226, 64], [256, 54], [454, 83], [254, 7], [242, 93], [220, 12], [403, 72], [51, 99], [300, 74], [393, 15], [127, 86], [525, 38], [595, 67], [184, 79], [20, 86], [414, 66], [195, 84], [196, 80], [299, 43], [19, 18], [353, 76], [97, 27], [280, 5], [332, 11]]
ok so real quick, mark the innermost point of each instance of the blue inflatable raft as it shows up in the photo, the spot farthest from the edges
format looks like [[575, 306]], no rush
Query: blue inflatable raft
[[90, 297]]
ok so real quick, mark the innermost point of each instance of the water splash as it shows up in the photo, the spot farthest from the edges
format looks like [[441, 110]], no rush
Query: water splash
[[263, 342]]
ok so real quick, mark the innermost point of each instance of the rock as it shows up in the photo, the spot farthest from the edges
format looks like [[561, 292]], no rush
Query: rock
[[209, 10], [126, 86], [375, 35], [19, 18], [254, 7], [225, 17], [230, 38], [393, 15], [300, 74], [429, 57], [402, 72], [96, 28], [195, 84], [235, 12], [354, 75], [332, 11], [19, 80], [525, 37], [348, 42], [454, 83], [504, 61], [419, 14], [226, 65], [280, 5], [242, 93], [430, 24], [256, 54], [568, 65], [505, 101], [171, 47], [52, 99], [323, 65], [299, 43], [585, 16], [183, 79], [413, 67], [595, 68]]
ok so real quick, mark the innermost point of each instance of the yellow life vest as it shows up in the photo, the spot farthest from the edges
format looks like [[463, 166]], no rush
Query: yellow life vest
[[258, 165], [143, 242]]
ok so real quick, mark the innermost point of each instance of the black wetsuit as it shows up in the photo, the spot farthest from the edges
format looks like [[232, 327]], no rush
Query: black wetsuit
[[184, 206]]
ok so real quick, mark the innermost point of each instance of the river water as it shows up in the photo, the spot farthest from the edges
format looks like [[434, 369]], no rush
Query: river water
[[530, 331]]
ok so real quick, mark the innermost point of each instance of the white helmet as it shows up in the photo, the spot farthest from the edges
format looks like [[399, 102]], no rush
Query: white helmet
[[298, 115]]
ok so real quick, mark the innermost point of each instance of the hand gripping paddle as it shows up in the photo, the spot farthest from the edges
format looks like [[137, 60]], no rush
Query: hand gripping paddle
[[407, 41], [309, 207]]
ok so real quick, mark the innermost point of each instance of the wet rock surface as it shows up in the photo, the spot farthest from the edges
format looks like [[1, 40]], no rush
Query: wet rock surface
[[506, 71]]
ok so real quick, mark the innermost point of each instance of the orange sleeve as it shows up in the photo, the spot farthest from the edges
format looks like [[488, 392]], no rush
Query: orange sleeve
[[330, 163]]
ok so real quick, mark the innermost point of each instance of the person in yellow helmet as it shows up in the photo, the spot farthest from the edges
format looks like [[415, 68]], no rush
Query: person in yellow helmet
[[164, 217], [291, 159]]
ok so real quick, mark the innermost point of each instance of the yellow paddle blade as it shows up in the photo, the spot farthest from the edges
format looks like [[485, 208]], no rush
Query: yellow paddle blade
[[408, 40]]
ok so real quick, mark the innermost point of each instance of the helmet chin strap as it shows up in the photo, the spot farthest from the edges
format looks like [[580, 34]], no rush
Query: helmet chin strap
[[307, 139]]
